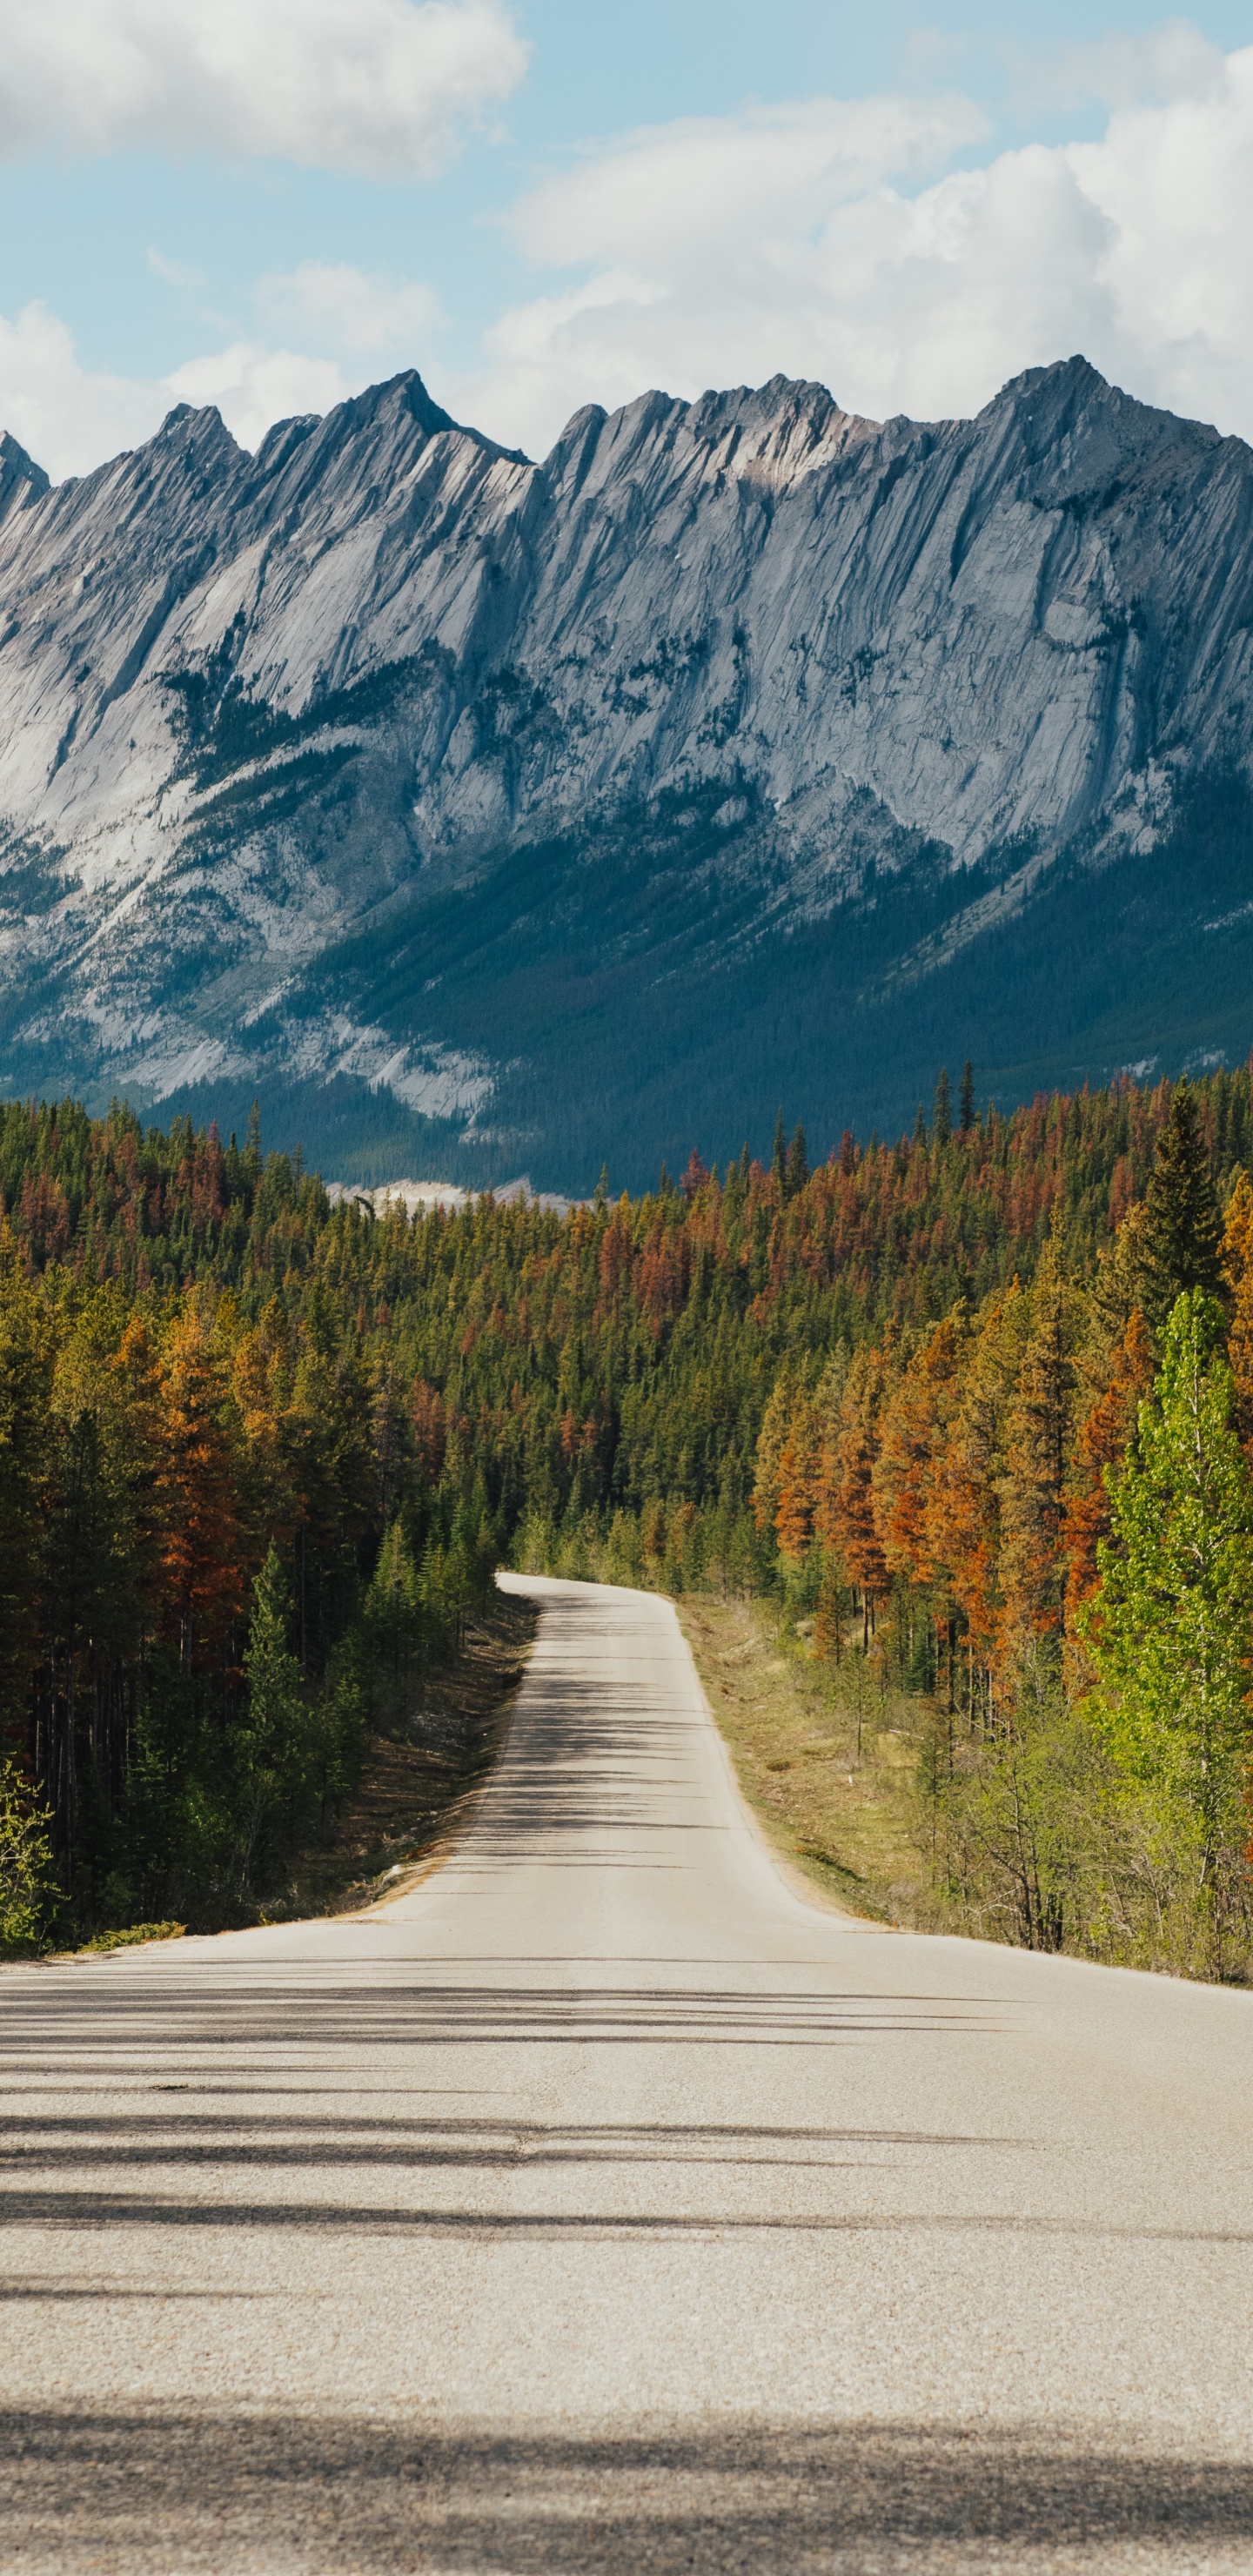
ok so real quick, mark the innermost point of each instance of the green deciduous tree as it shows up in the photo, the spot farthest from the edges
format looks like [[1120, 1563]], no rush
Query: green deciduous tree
[[1170, 1628], [26, 1876]]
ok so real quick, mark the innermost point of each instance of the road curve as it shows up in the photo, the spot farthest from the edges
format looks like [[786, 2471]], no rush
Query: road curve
[[602, 2206]]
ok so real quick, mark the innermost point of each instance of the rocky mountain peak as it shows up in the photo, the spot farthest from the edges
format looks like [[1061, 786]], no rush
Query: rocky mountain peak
[[265, 715], [21, 480]]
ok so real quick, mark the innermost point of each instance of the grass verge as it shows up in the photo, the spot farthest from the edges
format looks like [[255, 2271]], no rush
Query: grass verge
[[827, 1762]]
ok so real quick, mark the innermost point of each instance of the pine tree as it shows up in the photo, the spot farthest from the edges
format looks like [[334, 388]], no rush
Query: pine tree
[[797, 1483], [845, 1514], [267, 1743], [1183, 1230], [1101, 1445], [1033, 1562], [943, 1109], [1238, 1272], [911, 1433], [967, 1484], [197, 1496], [26, 1363], [778, 1159], [771, 1442], [966, 1117], [797, 1164]]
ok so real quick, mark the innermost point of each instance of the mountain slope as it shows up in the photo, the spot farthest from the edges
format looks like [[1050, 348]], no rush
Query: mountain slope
[[742, 750]]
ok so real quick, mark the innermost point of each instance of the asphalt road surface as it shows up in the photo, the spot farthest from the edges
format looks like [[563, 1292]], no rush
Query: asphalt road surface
[[603, 2206]]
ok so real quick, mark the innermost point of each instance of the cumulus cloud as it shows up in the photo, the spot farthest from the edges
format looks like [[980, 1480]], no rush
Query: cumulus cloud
[[861, 244], [378, 86], [330, 304], [831, 240], [69, 416], [65, 415], [253, 386]]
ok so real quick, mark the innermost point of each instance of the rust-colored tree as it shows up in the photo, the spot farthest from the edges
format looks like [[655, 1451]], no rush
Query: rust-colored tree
[[845, 1515], [1101, 1445]]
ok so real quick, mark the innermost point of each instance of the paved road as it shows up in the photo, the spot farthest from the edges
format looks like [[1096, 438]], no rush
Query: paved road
[[601, 2206]]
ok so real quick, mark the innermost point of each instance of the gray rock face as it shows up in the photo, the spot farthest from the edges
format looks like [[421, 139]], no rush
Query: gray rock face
[[264, 719]]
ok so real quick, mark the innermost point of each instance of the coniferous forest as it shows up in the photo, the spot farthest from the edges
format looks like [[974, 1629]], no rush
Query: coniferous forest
[[974, 1408]]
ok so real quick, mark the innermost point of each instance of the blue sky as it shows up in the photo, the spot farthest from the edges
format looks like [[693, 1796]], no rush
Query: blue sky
[[270, 202]]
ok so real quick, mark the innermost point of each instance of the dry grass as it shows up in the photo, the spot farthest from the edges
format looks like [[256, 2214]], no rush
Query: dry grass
[[417, 1786], [846, 1817]]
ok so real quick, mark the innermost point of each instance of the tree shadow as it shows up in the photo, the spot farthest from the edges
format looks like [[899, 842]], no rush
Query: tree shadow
[[315, 2496]]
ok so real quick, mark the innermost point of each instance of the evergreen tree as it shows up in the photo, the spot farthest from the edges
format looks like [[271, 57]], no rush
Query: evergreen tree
[[268, 1742], [943, 1109], [778, 1159], [1039, 1444], [797, 1164], [966, 1097], [1183, 1230], [26, 1363]]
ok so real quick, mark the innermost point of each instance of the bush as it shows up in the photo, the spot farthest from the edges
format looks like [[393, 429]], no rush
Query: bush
[[28, 1891]]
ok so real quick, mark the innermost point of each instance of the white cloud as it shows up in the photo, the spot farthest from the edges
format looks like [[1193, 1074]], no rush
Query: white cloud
[[65, 415], [252, 387], [380, 86], [347, 328], [824, 240], [190, 281], [715, 251], [70, 417], [335, 306], [1167, 62]]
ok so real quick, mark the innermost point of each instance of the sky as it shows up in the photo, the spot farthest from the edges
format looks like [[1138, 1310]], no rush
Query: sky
[[268, 204]]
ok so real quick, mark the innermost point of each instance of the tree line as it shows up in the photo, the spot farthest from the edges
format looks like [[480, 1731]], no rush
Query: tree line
[[259, 1453], [1044, 1499]]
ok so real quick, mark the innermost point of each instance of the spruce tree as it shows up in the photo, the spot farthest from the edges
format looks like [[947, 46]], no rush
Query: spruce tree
[[267, 1741], [943, 1109], [1183, 1229], [778, 1159], [797, 1164], [966, 1097]]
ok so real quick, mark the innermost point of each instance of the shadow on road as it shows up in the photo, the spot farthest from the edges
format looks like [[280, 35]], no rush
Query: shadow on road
[[316, 2497]]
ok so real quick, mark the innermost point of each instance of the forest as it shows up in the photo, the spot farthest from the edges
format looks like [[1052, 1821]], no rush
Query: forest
[[971, 1411]]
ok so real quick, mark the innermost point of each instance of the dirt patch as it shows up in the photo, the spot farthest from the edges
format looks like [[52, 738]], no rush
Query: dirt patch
[[827, 1764], [418, 1785]]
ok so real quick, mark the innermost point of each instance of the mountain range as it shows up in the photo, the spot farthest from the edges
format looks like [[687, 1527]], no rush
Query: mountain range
[[477, 814]]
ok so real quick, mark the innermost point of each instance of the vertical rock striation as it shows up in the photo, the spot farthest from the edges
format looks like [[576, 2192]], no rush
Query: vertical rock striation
[[387, 758]]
